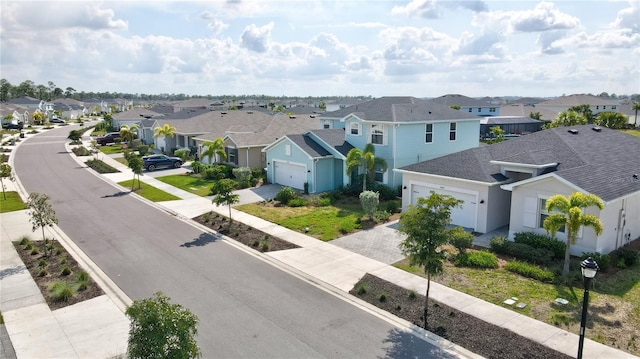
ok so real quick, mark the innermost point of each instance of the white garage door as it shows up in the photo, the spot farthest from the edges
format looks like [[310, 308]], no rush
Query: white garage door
[[464, 216], [291, 175]]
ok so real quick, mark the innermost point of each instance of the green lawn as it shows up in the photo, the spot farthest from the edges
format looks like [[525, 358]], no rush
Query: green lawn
[[122, 160], [614, 305], [195, 185], [632, 132], [111, 149], [149, 192], [325, 223], [12, 203]]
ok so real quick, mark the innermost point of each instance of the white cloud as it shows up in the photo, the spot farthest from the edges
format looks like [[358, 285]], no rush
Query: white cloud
[[217, 26], [434, 9], [545, 16], [629, 18], [256, 38]]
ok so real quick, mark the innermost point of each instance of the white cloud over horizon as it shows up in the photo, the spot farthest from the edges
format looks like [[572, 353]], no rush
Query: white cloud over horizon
[[418, 48]]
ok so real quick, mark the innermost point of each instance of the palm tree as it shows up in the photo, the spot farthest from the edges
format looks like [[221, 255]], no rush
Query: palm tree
[[367, 159], [164, 131], [215, 148], [636, 107], [128, 134], [568, 212]]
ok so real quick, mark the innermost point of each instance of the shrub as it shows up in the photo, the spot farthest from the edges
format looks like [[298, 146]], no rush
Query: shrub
[[530, 271], [100, 167], [369, 201], [346, 227], [66, 270], [528, 253], [58, 251], [620, 263], [541, 241], [243, 176], [24, 240], [183, 153], [630, 257], [63, 260], [43, 272], [383, 297], [362, 289], [285, 194], [603, 260], [392, 206], [297, 202], [82, 276], [42, 263], [479, 259], [460, 239], [81, 151], [34, 251], [499, 244], [197, 166], [381, 216], [386, 193], [323, 202], [142, 149], [264, 246], [214, 173], [257, 173], [413, 294], [61, 291]]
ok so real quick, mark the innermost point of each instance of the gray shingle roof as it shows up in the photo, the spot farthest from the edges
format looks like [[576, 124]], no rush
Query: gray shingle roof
[[602, 163], [400, 109], [279, 126], [455, 99], [213, 124], [335, 139], [308, 145]]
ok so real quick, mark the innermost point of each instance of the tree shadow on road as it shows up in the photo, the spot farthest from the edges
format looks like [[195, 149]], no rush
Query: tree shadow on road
[[117, 194], [407, 345], [202, 240]]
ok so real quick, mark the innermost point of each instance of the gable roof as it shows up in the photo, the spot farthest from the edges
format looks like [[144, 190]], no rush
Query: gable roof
[[279, 126], [308, 145], [600, 162], [210, 125], [335, 139], [398, 110], [577, 100], [460, 100]]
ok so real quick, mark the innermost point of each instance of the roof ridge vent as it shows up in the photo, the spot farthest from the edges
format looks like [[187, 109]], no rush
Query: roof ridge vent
[[573, 131], [597, 128]]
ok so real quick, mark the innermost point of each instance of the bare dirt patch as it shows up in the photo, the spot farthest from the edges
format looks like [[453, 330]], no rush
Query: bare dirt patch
[[243, 233]]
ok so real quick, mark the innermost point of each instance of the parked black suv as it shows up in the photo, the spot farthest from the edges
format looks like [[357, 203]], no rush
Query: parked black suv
[[152, 162], [110, 137]]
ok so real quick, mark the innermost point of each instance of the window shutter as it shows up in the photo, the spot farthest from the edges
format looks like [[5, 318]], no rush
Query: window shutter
[[530, 212]]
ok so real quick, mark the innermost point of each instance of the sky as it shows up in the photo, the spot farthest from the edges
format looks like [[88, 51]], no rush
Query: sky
[[421, 48]]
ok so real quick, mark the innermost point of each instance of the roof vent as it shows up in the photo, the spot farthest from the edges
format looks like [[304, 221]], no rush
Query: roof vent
[[635, 176], [597, 128], [573, 131]]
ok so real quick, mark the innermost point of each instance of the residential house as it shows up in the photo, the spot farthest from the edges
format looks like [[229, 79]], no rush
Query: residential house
[[19, 114], [507, 184], [403, 130], [469, 105], [510, 125], [596, 104], [527, 110]]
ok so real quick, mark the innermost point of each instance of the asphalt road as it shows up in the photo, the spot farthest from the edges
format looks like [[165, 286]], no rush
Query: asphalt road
[[247, 308]]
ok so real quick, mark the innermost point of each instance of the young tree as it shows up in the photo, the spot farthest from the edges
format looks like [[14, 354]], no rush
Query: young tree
[[497, 134], [568, 213], [38, 117], [5, 172], [367, 159], [159, 329], [369, 201], [569, 118], [611, 119], [322, 105], [214, 150], [42, 213], [223, 194], [535, 115], [75, 136], [584, 110], [425, 226], [135, 163]]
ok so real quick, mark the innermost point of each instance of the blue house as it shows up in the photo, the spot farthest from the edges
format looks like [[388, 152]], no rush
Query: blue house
[[403, 130], [469, 105]]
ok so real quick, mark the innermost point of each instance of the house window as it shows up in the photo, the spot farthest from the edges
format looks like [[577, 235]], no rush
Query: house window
[[604, 107], [613, 107], [452, 131], [379, 175], [232, 155], [287, 150], [544, 214], [492, 109], [597, 107], [355, 129], [479, 109], [377, 134], [470, 109], [429, 133], [327, 124]]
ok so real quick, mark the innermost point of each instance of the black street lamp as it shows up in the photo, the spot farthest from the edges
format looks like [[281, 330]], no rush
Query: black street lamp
[[589, 269]]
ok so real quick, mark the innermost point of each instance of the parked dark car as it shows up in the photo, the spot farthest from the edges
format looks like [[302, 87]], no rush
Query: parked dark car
[[153, 162], [110, 137], [12, 126]]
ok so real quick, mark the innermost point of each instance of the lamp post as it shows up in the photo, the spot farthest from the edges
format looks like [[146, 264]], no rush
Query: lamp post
[[589, 268]]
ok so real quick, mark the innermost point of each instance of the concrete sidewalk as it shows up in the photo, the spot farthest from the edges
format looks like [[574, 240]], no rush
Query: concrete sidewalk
[[337, 269]]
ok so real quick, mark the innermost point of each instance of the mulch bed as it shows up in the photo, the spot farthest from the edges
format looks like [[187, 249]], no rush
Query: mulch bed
[[56, 260], [243, 233], [458, 327]]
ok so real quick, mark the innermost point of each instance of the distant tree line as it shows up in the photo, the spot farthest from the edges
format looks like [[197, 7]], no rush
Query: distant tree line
[[51, 91]]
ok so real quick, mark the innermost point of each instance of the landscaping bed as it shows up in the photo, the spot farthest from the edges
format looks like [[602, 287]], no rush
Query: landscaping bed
[[58, 267], [243, 233], [458, 327]]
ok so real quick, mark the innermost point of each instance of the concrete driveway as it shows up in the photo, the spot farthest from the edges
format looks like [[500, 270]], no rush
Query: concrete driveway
[[257, 194]]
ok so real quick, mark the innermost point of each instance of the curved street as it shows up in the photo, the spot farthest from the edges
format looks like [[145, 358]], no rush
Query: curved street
[[246, 307]]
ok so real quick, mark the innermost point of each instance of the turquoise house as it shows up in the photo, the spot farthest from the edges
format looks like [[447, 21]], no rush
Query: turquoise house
[[403, 130]]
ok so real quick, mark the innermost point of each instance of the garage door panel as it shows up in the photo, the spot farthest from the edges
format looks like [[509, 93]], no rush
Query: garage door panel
[[464, 216], [289, 174]]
